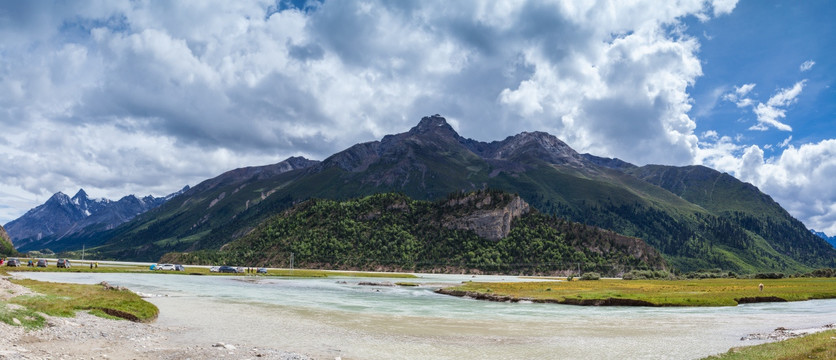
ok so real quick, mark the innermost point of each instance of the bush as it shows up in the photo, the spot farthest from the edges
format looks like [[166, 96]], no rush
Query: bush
[[769, 276], [647, 274], [591, 276], [823, 273]]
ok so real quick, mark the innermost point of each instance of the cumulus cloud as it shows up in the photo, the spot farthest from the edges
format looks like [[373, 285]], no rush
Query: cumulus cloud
[[146, 97], [800, 179]]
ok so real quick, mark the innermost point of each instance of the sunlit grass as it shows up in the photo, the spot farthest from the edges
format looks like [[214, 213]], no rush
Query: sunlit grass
[[816, 346], [58, 299], [709, 292], [27, 318]]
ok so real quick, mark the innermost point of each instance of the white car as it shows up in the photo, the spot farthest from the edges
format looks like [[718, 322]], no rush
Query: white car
[[168, 267], [214, 269]]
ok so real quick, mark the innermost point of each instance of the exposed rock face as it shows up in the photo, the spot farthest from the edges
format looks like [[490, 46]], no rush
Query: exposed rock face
[[5, 239], [488, 220]]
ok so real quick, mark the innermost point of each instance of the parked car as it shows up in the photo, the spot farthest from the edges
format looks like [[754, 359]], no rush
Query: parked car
[[214, 269], [166, 267], [261, 271], [227, 269], [179, 267], [63, 263], [13, 262], [240, 270], [42, 263]]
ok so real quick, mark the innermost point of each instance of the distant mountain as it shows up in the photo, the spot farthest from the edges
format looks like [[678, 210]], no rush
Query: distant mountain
[[831, 240], [697, 218], [6, 247], [61, 217], [466, 232]]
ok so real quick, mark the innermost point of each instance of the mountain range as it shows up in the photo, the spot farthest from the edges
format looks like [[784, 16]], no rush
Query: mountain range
[[696, 217], [62, 217]]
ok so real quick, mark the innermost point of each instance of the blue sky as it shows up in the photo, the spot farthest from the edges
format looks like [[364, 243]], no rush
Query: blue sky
[[765, 43], [134, 97]]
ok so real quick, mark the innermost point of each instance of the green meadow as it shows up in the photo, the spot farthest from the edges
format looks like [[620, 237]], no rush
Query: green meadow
[[707, 292]]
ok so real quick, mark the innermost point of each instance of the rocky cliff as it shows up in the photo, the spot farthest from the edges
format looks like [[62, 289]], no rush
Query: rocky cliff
[[491, 216]]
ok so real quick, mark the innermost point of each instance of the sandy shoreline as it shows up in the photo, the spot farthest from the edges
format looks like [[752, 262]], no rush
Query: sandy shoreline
[[89, 337]]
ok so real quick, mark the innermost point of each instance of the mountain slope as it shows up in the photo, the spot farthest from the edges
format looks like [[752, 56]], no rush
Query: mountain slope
[[466, 232], [60, 219], [6, 247], [740, 203], [830, 240], [431, 160]]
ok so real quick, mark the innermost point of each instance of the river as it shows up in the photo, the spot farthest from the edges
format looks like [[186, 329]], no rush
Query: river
[[337, 317]]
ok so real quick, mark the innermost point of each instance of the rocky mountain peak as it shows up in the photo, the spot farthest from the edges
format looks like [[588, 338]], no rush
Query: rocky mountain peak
[[80, 195], [539, 145], [435, 124]]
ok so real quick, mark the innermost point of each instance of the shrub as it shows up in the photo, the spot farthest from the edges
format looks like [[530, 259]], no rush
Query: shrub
[[823, 273], [772, 275], [647, 274], [591, 276]]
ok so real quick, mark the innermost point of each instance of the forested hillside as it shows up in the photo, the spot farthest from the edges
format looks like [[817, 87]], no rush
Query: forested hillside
[[393, 232]]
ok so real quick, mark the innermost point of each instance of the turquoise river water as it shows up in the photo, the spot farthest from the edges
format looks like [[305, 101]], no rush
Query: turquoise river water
[[337, 317]]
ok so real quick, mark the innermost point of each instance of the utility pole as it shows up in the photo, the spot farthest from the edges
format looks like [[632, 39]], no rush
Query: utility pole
[[291, 263], [82, 252]]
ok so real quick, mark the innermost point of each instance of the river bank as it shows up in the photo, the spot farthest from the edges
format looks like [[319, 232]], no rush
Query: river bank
[[91, 337], [326, 318]]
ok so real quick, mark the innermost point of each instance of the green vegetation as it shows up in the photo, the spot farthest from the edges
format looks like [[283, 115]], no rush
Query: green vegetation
[[820, 345], [591, 276], [27, 318], [648, 275], [193, 270], [65, 299], [709, 292], [6, 247], [393, 232]]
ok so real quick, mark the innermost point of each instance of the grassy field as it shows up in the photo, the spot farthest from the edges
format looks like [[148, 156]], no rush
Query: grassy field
[[193, 270], [816, 346], [708, 292], [59, 299]]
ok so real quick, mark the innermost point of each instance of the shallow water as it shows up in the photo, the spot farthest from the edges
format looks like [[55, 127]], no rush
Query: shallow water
[[337, 317]]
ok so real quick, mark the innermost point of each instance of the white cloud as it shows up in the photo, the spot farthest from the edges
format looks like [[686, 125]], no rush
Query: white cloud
[[710, 135], [128, 86], [807, 65], [742, 90], [786, 142], [800, 179], [739, 95], [768, 114]]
